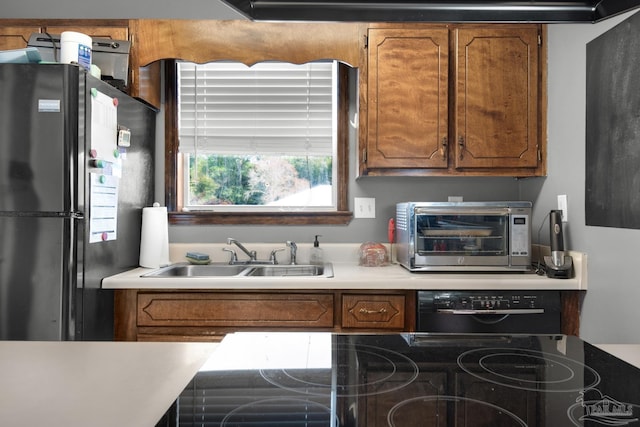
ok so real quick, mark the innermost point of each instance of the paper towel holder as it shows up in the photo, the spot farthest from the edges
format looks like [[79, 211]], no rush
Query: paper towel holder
[[154, 237]]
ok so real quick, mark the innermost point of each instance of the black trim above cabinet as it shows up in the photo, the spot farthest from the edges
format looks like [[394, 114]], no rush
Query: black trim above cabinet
[[432, 10]]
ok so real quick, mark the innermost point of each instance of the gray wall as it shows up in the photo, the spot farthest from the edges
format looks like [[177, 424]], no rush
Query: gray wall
[[610, 313], [117, 9], [386, 191]]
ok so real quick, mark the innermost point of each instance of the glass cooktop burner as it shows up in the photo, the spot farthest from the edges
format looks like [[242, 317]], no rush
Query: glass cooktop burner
[[501, 366], [434, 408], [408, 380], [340, 380]]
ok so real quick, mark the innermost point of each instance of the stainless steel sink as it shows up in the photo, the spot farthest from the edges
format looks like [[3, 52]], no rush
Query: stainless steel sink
[[247, 270], [189, 270], [325, 270]]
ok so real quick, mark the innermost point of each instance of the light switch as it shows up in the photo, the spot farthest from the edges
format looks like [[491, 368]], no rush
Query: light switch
[[364, 207]]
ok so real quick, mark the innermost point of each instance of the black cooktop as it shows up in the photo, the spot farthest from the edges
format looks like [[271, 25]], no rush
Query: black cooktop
[[397, 380]]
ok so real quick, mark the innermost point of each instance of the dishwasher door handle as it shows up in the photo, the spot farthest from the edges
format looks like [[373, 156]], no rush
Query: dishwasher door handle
[[504, 311]]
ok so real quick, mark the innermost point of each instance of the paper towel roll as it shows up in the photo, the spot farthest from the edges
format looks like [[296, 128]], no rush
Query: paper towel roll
[[76, 48], [154, 239]]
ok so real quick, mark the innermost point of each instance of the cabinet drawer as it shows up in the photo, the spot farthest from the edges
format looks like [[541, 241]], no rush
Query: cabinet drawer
[[235, 309], [373, 311]]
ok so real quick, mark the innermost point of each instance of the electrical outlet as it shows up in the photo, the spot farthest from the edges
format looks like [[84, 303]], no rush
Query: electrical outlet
[[562, 206], [364, 207]]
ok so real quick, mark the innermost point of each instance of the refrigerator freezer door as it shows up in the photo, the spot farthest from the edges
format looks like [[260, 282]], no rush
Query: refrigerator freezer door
[[35, 276], [38, 138], [102, 259]]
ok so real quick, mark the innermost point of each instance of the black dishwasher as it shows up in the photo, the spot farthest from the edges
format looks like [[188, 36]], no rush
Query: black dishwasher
[[515, 312]]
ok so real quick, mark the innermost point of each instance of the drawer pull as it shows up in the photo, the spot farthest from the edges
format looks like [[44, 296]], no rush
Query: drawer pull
[[367, 311]]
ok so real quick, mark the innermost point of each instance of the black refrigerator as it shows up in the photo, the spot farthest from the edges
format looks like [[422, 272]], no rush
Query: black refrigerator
[[76, 169]]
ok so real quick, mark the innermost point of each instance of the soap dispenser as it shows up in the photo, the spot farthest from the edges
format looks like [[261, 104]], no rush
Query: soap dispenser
[[317, 257]]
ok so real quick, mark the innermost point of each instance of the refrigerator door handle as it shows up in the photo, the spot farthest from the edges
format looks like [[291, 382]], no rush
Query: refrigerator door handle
[[43, 214]]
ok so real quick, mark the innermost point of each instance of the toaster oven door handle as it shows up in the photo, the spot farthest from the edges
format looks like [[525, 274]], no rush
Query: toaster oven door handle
[[498, 311]]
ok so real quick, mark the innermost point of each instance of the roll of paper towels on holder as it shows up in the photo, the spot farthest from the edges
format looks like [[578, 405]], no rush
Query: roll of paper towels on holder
[[154, 238]]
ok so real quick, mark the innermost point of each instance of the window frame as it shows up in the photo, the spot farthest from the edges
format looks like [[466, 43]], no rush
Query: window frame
[[173, 170]]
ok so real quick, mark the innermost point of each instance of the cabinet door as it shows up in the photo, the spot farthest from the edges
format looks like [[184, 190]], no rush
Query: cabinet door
[[408, 98], [16, 37], [497, 98], [259, 310], [373, 311]]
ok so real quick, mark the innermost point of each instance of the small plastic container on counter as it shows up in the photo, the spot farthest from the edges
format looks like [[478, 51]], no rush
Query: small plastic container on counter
[[373, 254]]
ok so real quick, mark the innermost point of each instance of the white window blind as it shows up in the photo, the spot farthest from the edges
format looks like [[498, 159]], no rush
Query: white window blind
[[269, 108]]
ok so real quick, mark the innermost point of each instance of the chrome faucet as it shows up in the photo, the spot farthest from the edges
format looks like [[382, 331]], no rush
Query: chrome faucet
[[294, 250], [252, 254], [272, 258]]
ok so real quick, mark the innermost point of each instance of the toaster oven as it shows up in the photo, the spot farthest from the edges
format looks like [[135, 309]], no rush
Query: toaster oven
[[464, 236]]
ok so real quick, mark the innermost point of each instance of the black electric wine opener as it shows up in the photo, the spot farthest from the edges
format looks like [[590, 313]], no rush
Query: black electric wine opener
[[558, 265]]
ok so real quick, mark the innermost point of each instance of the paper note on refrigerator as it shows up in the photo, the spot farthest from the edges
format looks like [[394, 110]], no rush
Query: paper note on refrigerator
[[104, 127], [103, 210]]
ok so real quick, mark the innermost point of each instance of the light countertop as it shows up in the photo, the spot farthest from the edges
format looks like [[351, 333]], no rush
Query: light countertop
[[94, 383], [347, 274], [78, 384], [630, 353]]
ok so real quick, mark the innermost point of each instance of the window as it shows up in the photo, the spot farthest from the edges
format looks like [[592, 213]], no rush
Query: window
[[260, 141]]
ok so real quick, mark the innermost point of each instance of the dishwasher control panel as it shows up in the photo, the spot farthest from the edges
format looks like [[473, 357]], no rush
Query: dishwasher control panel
[[490, 301], [509, 311]]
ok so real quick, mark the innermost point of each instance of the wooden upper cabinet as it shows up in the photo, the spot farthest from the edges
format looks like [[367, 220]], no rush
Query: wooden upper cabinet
[[463, 99], [408, 98], [16, 37], [496, 122]]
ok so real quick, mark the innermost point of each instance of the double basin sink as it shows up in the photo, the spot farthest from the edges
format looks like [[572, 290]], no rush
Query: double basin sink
[[242, 270]]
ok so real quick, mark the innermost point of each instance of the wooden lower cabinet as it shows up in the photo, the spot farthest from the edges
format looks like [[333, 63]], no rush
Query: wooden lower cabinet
[[159, 315], [373, 311]]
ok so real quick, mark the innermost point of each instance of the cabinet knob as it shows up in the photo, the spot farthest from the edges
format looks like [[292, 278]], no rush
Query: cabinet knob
[[461, 146], [444, 148]]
